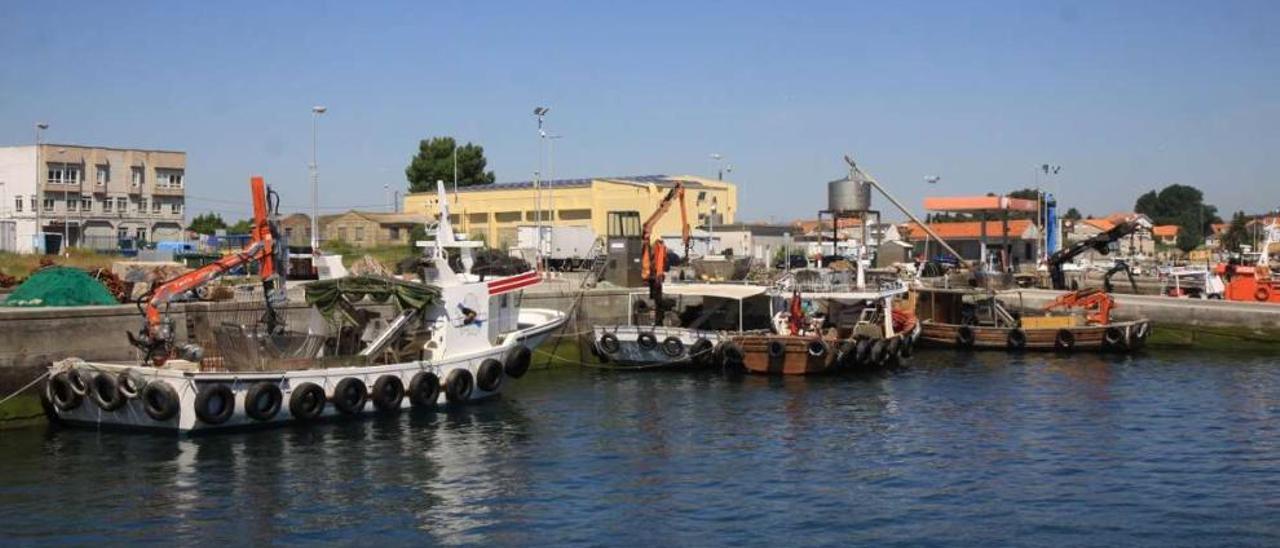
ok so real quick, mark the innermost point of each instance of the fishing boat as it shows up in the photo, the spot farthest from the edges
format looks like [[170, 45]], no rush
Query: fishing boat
[[448, 337], [984, 320], [693, 330]]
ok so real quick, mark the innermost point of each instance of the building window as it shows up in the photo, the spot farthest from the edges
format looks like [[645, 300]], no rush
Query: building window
[[507, 216], [575, 215], [106, 205], [86, 205], [17, 204], [175, 208], [478, 218], [48, 204], [122, 204], [104, 174], [155, 206], [342, 233], [71, 205], [359, 233], [64, 174], [135, 176], [33, 203], [393, 233], [140, 234], [123, 233], [168, 178], [702, 196]]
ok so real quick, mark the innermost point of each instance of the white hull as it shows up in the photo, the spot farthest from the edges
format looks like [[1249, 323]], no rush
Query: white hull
[[631, 352]]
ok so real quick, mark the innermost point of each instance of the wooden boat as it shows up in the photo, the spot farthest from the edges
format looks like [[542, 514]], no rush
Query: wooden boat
[[975, 319]]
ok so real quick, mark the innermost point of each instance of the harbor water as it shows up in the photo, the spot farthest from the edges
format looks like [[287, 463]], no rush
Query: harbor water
[[1161, 448]]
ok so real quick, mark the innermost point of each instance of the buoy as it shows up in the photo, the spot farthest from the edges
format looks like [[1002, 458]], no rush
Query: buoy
[[863, 356], [517, 360], [160, 401], [730, 353], [307, 401], [489, 375], [458, 384], [215, 403], [878, 354], [105, 392], [350, 395], [1263, 294], [817, 349], [388, 392], [848, 354], [1114, 337], [79, 381], [262, 401]]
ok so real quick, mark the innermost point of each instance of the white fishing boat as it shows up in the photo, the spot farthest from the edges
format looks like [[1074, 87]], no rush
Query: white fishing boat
[[452, 337]]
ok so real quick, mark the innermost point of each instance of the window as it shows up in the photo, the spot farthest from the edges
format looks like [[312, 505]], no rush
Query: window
[[168, 178], [104, 174], [575, 215], [140, 234], [86, 205], [342, 233], [123, 233], [64, 174], [48, 204], [33, 203], [122, 204], [106, 206], [155, 206], [702, 196], [17, 204], [176, 208], [359, 233], [135, 176], [393, 233], [71, 205]]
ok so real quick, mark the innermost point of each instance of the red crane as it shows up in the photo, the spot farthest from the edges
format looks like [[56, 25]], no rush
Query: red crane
[[651, 266], [264, 247]]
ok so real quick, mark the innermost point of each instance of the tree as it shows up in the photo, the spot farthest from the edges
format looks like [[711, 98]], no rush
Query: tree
[[1072, 214], [207, 223], [243, 226], [1180, 205], [434, 162], [1237, 233]]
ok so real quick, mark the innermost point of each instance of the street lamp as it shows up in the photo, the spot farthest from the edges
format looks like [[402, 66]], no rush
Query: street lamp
[[316, 111], [66, 206], [719, 166], [39, 235], [539, 112]]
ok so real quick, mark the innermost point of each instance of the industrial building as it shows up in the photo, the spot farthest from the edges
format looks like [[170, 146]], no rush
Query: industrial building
[[493, 212], [94, 196]]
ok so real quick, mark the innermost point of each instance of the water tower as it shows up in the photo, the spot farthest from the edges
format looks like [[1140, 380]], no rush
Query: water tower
[[849, 198]]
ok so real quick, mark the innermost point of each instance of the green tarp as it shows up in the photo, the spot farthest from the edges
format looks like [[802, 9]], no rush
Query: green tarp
[[60, 286], [325, 295]]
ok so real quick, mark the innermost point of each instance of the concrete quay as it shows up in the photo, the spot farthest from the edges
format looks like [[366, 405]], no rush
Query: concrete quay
[[1161, 310]]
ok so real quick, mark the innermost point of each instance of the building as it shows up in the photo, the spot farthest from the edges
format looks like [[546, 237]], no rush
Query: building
[[1137, 245], [95, 196], [366, 229], [759, 241], [968, 237], [492, 212], [1166, 234]]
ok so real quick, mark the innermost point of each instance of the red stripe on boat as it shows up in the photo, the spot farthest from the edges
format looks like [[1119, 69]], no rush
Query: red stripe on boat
[[514, 282]]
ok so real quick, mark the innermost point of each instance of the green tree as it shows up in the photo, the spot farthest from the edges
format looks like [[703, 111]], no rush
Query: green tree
[[1237, 233], [1072, 214], [206, 223], [243, 226], [434, 162], [1180, 205]]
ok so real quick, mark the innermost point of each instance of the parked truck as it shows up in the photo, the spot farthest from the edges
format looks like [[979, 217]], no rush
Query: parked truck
[[564, 247]]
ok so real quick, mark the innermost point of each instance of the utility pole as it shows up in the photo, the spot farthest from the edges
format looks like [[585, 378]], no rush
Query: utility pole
[[38, 243], [539, 112], [316, 111]]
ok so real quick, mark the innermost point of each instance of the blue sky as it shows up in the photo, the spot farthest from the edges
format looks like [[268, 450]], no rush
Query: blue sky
[[1126, 96]]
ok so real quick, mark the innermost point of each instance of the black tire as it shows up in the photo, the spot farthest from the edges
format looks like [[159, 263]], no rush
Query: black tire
[[350, 395], [672, 347], [424, 390], [517, 360], [131, 383], [263, 401], [458, 385], [908, 347], [80, 381], [489, 376], [817, 349], [848, 357], [215, 403], [1113, 337], [879, 352], [730, 353], [777, 349], [1064, 341], [891, 349], [1016, 340], [863, 354], [702, 352], [61, 395], [105, 391], [1142, 331], [160, 401], [964, 337], [307, 401], [647, 340], [609, 344], [388, 393]]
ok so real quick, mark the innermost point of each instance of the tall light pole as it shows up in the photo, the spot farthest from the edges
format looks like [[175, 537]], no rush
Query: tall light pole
[[66, 206], [719, 160], [539, 112], [316, 111], [39, 236]]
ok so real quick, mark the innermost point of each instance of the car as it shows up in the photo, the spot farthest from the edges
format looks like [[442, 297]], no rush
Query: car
[[794, 261]]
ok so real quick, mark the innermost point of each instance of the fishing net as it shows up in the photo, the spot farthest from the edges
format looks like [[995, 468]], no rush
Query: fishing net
[[60, 286]]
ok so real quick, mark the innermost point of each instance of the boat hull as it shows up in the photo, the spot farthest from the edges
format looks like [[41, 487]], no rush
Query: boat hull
[[622, 346], [1092, 338]]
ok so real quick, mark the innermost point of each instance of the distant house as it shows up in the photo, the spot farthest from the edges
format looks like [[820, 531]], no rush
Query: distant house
[[966, 238], [367, 229], [1138, 244], [1166, 234]]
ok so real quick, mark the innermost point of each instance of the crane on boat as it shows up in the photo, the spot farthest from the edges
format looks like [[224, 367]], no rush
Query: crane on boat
[[1100, 243], [652, 266]]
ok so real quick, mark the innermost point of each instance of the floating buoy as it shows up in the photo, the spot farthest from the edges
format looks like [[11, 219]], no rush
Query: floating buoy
[[160, 401], [1263, 294], [848, 355], [489, 375], [105, 392], [517, 360], [79, 381], [1114, 337], [1017, 339], [879, 354], [262, 401], [388, 392], [863, 355], [457, 386], [215, 403], [892, 348], [730, 353], [350, 395], [307, 401]]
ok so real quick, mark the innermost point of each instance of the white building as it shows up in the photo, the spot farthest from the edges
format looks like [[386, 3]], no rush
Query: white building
[[95, 196]]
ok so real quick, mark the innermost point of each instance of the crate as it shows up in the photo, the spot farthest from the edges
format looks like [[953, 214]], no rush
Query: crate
[[1050, 322]]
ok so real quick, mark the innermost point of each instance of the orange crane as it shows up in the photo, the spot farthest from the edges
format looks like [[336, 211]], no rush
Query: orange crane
[[652, 266], [264, 247], [1095, 303]]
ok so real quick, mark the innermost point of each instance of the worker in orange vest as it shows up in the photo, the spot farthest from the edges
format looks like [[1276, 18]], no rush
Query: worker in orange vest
[[658, 273]]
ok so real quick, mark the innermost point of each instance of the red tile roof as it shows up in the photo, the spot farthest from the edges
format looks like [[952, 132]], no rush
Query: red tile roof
[[1100, 224], [1166, 230]]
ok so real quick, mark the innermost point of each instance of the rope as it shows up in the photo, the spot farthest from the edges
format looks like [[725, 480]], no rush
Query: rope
[[24, 389]]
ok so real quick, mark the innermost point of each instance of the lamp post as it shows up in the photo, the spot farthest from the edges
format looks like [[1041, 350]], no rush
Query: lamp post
[[719, 160], [316, 111], [66, 206], [39, 235], [539, 112]]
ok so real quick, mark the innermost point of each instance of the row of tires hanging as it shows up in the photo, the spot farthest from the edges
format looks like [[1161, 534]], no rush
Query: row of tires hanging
[[215, 402], [701, 353], [1114, 338]]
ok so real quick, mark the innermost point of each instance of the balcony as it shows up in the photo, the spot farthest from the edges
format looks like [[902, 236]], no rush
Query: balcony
[[168, 191]]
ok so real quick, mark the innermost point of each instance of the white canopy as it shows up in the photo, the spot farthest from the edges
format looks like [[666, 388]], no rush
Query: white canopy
[[724, 291]]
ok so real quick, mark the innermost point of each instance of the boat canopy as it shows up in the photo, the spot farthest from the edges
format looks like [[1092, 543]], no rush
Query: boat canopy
[[724, 291], [326, 295]]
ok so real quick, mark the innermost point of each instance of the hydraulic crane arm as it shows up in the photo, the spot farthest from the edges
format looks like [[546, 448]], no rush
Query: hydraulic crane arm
[[264, 247], [1098, 243], [1096, 304], [646, 230]]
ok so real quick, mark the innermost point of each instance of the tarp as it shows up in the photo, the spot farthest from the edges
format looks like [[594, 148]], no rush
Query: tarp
[[325, 295], [60, 286]]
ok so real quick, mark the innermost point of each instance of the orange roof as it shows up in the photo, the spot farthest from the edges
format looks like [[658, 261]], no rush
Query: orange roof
[[968, 230], [1219, 228], [1100, 224], [978, 203], [1166, 230]]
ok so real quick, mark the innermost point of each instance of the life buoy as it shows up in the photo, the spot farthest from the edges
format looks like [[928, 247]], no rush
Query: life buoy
[[215, 403], [1263, 294], [424, 390], [457, 386], [489, 375], [350, 395], [79, 381], [964, 336], [730, 353], [262, 401], [817, 349], [60, 394], [646, 340], [516, 361], [609, 344], [863, 355], [131, 383], [673, 347], [777, 349], [105, 392], [701, 352], [388, 392], [878, 354], [1064, 341], [1017, 339], [306, 402], [160, 401], [1113, 337]]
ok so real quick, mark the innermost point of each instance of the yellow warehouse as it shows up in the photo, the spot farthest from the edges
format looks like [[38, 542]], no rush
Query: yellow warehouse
[[493, 212]]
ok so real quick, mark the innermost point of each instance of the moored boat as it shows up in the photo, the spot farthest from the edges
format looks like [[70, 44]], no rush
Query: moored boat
[[694, 330]]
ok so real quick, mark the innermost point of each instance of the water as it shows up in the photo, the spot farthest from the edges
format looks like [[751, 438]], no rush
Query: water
[[1160, 449]]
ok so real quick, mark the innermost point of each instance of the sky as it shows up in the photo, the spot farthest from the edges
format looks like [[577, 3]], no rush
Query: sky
[[1125, 96]]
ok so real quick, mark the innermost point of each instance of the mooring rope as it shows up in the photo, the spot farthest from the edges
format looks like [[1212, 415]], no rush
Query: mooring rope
[[24, 389]]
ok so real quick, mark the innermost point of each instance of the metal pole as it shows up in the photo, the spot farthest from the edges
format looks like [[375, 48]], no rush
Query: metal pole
[[316, 111], [871, 180], [39, 205]]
